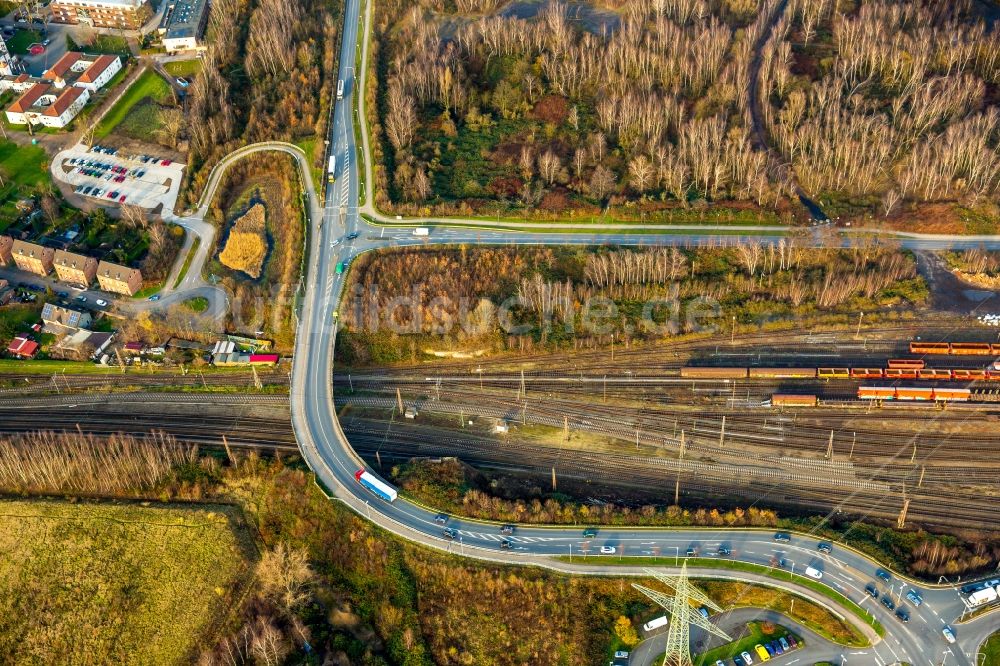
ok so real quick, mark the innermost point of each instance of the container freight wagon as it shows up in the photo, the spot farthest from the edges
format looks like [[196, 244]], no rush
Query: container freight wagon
[[378, 487], [955, 348], [783, 373], [786, 400], [714, 373], [913, 393]]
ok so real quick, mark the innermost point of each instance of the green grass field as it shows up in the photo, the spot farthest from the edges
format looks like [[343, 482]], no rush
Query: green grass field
[[991, 650], [116, 583], [196, 304], [23, 171], [755, 635], [22, 39], [183, 67], [149, 85]]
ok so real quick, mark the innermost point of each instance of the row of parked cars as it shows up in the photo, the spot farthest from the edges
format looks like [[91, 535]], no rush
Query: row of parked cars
[[145, 159], [100, 193], [765, 651]]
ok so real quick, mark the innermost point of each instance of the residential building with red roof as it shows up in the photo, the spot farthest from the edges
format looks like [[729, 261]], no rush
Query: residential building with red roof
[[55, 99], [22, 347]]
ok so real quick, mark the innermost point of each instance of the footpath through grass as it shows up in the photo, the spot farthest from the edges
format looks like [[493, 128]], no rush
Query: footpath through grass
[[100, 583], [776, 574], [149, 84]]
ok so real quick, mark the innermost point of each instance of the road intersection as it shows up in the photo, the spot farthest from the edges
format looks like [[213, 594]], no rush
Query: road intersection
[[331, 457]]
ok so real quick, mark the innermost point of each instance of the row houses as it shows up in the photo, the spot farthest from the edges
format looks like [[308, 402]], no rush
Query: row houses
[[74, 269]]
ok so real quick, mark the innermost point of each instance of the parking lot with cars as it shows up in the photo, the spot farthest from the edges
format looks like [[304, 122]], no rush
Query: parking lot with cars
[[103, 174]]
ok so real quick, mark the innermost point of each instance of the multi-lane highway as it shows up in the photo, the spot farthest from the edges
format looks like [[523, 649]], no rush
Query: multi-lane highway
[[340, 234]]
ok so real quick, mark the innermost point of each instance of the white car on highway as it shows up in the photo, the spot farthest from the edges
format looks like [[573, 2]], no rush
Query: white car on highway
[[608, 550], [814, 573]]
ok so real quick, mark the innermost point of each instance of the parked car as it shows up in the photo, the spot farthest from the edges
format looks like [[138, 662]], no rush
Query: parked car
[[785, 645], [746, 658], [761, 652], [792, 641]]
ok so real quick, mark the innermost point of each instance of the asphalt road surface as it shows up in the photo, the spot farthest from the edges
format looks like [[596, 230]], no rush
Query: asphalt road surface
[[329, 454]]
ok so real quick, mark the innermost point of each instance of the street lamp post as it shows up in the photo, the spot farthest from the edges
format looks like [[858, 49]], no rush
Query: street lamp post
[[677, 554]]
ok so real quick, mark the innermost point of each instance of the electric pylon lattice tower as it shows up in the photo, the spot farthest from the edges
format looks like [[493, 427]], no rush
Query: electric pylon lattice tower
[[682, 614]]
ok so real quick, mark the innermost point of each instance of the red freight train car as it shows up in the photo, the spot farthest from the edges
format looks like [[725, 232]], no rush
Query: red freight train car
[[913, 393], [930, 347]]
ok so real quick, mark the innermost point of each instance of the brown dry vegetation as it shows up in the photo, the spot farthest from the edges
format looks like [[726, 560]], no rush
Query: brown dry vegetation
[[267, 182], [268, 74], [872, 104], [896, 102], [246, 245], [77, 463], [491, 107], [460, 294]]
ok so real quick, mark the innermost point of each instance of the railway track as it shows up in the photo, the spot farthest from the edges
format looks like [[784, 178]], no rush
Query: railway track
[[886, 340], [858, 493]]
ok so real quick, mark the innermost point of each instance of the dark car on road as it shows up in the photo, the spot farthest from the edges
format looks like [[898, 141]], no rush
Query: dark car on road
[[903, 615], [450, 532], [506, 543], [824, 547], [507, 529], [784, 537], [871, 590], [883, 576], [888, 603], [725, 551], [590, 533]]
